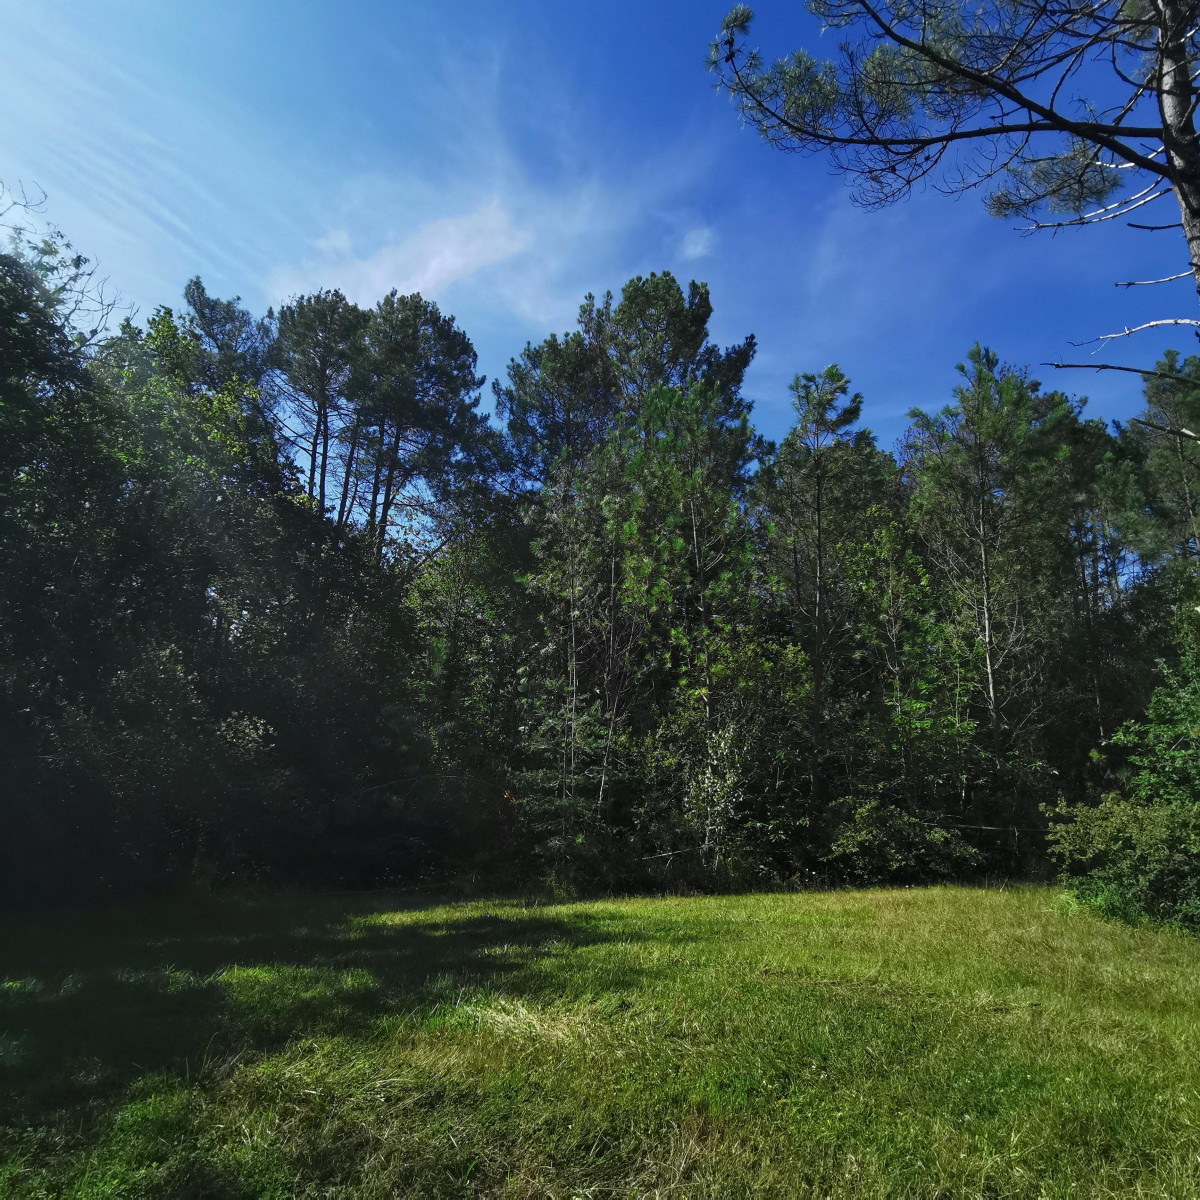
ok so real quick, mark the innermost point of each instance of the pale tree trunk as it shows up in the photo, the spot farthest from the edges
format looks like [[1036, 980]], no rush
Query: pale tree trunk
[[572, 713], [701, 585], [989, 656], [1176, 102], [1187, 496], [614, 673], [377, 482], [389, 490], [817, 719]]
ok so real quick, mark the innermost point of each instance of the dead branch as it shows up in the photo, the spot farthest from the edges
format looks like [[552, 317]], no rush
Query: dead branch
[[1179, 432], [1129, 331], [1149, 282], [1061, 366]]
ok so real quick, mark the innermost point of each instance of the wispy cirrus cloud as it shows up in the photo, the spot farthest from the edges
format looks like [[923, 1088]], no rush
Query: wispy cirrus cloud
[[436, 255], [496, 244], [509, 209], [494, 191]]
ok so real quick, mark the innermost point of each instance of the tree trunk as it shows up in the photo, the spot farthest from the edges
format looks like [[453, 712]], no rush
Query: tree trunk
[[341, 517], [986, 599], [817, 718], [1176, 105], [312, 454], [389, 493], [376, 482], [702, 584], [324, 455]]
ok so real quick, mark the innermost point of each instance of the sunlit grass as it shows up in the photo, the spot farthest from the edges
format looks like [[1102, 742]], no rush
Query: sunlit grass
[[916, 1042]]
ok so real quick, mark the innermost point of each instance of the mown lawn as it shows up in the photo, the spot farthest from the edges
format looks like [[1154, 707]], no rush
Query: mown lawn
[[946, 1041]]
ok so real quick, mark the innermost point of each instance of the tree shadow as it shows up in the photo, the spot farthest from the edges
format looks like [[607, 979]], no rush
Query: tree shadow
[[90, 1003]]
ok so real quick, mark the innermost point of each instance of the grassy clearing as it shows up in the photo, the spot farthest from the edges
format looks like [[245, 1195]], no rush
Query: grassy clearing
[[927, 1042]]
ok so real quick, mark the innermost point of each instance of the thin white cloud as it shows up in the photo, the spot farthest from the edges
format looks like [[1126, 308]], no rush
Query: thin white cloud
[[579, 236], [697, 243], [520, 250], [335, 242], [438, 254], [144, 181], [507, 227], [507, 222]]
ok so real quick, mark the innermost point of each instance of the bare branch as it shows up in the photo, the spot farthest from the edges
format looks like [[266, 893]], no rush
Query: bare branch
[[1179, 432], [1109, 213], [1149, 282], [1128, 331], [19, 198], [1061, 366]]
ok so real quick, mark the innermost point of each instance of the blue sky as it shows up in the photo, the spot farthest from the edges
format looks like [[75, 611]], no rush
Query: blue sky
[[507, 158]]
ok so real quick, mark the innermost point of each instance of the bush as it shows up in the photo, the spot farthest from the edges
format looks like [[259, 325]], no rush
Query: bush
[[1133, 860], [878, 843], [1136, 855]]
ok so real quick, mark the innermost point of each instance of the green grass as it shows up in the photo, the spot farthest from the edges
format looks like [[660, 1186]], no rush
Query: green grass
[[945, 1041]]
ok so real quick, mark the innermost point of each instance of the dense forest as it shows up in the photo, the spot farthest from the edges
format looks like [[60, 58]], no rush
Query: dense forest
[[279, 601]]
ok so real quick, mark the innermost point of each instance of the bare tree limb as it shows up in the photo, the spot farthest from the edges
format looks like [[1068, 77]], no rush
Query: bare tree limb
[[1129, 331], [1148, 282], [1179, 432], [1061, 366], [1109, 213]]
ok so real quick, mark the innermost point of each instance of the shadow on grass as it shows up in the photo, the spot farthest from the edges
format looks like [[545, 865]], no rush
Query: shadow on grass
[[88, 1004]]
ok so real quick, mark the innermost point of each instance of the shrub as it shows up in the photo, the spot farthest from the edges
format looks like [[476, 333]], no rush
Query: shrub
[[879, 843], [1134, 860], [1136, 855]]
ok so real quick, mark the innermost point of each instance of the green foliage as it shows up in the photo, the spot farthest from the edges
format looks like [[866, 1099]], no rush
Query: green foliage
[[1130, 846], [278, 601], [877, 840], [193, 666], [1136, 854], [972, 96], [1170, 464], [1134, 860], [991, 504], [636, 433]]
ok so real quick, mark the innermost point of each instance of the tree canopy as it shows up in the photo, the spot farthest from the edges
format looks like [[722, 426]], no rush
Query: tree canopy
[[1062, 113], [280, 601]]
